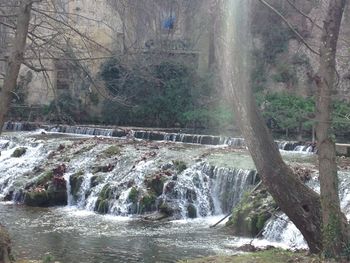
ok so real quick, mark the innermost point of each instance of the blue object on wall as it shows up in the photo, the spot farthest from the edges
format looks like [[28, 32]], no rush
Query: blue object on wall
[[169, 23]]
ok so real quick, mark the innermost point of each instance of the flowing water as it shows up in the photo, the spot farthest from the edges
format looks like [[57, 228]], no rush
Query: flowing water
[[212, 182]]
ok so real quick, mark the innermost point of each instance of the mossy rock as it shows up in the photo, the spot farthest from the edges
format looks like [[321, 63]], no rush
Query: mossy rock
[[102, 206], [76, 181], [95, 180], [19, 152], [180, 166], [45, 178], [36, 198], [191, 211], [166, 209], [106, 192], [156, 183], [102, 203], [46, 198], [57, 197], [250, 215], [111, 151], [133, 195], [148, 203]]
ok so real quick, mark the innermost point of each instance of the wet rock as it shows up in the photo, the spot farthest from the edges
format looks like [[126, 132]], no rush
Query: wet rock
[[167, 166], [19, 152], [102, 203], [156, 216], [191, 195], [156, 183], [59, 170], [133, 195], [250, 215], [76, 181], [180, 166], [148, 203], [166, 209], [95, 180], [102, 169], [191, 211], [54, 194]]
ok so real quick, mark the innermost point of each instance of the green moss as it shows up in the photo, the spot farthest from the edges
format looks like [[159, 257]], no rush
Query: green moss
[[36, 198], [111, 151], [180, 166], [155, 183], [102, 203], [45, 178], [147, 203], [106, 192], [76, 181], [19, 152], [102, 206], [133, 195], [250, 215]]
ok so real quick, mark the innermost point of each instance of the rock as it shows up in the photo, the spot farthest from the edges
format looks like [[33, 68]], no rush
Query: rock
[[179, 166], [111, 151], [250, 215], [148, 203], [156, 216], [102, 203], [5, 246], [19, 152], [76, 181], [166, 209], [133, 195], [102, 169], [54, 195], [156, 183], [191, 211]]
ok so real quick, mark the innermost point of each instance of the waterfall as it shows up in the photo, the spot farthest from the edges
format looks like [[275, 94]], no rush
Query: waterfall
[[134, 182], [280, 229]]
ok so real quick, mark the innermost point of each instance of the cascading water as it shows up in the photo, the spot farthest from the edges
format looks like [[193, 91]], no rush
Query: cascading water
[[119, 179]]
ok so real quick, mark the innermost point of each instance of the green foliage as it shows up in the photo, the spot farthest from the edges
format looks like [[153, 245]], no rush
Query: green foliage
[[180, 166], [288, 110], [341, 116], [48, 259], [166, 94]]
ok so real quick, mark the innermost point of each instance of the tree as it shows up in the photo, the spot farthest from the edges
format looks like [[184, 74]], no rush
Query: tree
[[300, 203], [16, 58]]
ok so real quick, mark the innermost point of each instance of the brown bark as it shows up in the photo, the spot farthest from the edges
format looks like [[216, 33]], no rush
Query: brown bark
[[335, 227], [300, 203], [16, 58]]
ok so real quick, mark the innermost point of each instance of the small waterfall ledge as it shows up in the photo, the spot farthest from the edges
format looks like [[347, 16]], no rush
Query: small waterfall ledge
[[152, 135]]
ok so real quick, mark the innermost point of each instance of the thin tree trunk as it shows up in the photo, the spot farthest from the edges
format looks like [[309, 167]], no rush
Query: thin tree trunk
[[335, 227], [300, 203], [16, 58]]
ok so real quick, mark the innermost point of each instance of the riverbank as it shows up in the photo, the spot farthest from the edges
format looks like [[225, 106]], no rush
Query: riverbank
[[266, 256]]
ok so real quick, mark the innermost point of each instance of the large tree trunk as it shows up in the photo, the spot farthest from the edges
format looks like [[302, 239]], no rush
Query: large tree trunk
[[10, 82], [300, 203], [16, 58], [335, 227]]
